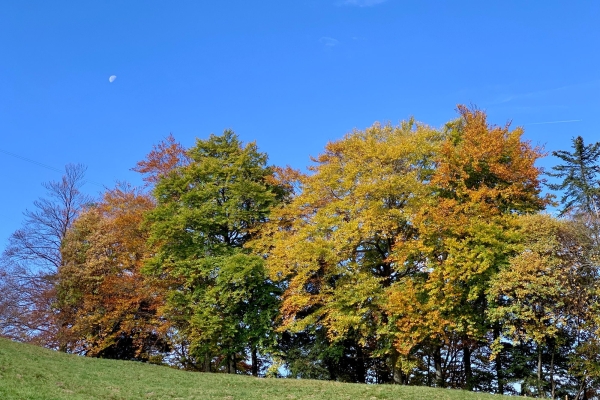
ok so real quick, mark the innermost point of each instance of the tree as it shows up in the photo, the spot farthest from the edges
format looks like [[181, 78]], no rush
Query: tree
[[463, 234], [581, 177], [330, 247], [219, 298], [580, 201], [547, 295], [164, 158], [108, 308], [32, 259]]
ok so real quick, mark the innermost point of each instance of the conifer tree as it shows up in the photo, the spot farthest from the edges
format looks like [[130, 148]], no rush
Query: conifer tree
[[581, 177]]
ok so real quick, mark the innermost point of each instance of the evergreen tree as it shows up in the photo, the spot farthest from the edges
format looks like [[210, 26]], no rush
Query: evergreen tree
[[581, 177]]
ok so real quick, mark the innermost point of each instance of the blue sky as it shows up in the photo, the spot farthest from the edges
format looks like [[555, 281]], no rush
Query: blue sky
[[289, 74]]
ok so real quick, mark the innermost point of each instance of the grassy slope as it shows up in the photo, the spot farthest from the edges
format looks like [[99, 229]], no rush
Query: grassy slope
[[28, 372]]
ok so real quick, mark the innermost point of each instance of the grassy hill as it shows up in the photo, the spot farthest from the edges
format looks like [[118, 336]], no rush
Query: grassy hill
[[29, 372]]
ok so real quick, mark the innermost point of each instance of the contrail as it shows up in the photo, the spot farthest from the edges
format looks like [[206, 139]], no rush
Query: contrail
[[42, 165], [554, 122]]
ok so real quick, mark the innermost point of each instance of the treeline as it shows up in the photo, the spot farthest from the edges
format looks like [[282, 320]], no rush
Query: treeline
[[406, 255]]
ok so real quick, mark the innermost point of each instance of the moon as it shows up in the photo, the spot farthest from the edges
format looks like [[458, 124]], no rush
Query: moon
[[112, 78]]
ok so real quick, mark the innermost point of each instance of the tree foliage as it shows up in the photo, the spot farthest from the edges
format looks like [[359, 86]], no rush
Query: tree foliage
[[218, 298], [331, 245], [107, 307], [164, 158], [406, 254], [581, 177], [464, 232]]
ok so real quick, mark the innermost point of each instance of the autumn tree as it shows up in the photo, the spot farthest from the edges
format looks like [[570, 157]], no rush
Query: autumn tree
[[548, 295], [330, 247], [464, 233], [164, 158], [579, 183], [32, 259], [108, 308], [395, 236], [219, 299]]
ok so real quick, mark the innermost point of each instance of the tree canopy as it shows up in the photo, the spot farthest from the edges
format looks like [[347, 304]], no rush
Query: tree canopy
[[405, 254]]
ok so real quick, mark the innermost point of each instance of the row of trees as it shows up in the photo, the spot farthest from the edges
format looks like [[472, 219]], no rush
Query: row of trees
[[406, 255]]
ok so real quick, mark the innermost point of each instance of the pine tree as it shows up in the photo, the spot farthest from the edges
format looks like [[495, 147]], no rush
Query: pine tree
[[581, 178]]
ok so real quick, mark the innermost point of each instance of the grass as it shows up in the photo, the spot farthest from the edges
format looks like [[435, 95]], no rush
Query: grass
[[29, 372]]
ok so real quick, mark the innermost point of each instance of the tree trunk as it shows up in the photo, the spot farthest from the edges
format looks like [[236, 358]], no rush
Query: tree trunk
[[498, 363], [539, 372], [437, 362], [206, 363], [429, 370], [254, 357], [552, 373], [396, 370], [361, 373], [467, 366]]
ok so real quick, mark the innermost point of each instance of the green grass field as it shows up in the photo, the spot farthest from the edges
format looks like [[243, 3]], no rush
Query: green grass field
[[29, 372]]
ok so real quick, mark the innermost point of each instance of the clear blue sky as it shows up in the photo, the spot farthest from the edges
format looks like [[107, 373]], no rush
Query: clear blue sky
[[289, 74]]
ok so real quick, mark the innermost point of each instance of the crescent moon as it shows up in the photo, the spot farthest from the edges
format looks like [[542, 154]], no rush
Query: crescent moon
[[112, 78]]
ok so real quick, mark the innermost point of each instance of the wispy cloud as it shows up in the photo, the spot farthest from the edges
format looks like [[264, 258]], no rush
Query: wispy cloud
[[329, 41], [360, 3], [545, 92], [554, 122]]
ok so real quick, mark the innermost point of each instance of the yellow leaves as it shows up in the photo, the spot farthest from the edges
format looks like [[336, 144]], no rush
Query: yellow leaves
[[332, 242], [416, 316], [534, 292], [399, 230]]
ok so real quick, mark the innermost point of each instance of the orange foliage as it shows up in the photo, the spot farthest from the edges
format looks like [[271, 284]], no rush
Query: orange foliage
[[110, 308], [164, 158], [484, 176]]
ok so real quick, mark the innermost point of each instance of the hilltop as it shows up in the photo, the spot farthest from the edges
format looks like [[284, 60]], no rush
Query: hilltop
[[30, 372]]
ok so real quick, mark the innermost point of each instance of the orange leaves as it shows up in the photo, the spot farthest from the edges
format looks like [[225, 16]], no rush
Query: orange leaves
[[489, 166], [465, 232], [415, 318], [164, 157], [111, 308], [424, 216]]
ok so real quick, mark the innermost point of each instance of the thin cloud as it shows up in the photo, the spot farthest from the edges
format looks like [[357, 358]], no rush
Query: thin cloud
[[555, 122], [329, 41], [360, 3], [543, 92]]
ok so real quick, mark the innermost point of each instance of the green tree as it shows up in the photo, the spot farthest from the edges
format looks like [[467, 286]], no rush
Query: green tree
[[581, 177], [580, 174], [219, 299]]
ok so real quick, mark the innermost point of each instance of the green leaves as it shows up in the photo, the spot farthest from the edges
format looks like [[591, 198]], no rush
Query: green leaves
[[407, 254], [581, 177], [207, 211]]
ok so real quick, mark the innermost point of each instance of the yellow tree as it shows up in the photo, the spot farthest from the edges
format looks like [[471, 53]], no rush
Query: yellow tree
[[548, 295], [330, 246]]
